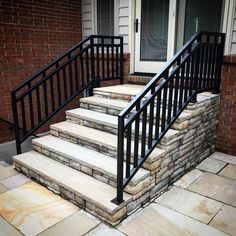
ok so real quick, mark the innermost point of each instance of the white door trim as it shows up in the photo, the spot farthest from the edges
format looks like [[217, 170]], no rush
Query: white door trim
[[149, 66]]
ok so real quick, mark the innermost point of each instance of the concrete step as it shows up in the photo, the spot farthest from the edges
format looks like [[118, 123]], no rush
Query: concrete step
[[100, 141], [103, 105], [104, 122], [123, 92], [80, 188], [95, 164], [114, 107]]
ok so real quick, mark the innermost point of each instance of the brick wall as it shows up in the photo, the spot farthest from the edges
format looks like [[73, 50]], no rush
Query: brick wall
[[226, 131], [32, 33]]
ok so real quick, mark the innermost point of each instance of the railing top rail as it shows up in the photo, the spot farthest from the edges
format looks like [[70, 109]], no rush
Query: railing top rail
[[62, 56], [21, 96], [169, 64], [106, 36]]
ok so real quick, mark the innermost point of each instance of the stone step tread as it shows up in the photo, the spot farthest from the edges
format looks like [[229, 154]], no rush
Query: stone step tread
[[104, 102], [97, 137], [84, 186], [94, 116], [107, 120], [123, 89], [120, 105], [85, 156]]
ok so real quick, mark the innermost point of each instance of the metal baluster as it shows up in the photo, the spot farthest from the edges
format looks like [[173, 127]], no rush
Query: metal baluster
[[23, 116], [82, 66], [58, 85], [150, 132], [120, 160], [176, 93], [65, 83], [201, 64], [205, 83], [181, 85], [16, 122], [87, 66], [108, 62], [144, 133], [163, 116], [45, 96], [103, 60], [117, 62], [128, 151], [52, 94], [121, 61], [76, 74], [112, 58], [209, 62], [70, 75], [186, 84], [38, 104], [192, 67], [31, 106], [158, 114], [136, 137], [98, 62], [170, 100]]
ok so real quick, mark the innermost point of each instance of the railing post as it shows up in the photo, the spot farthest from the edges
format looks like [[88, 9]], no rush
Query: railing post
[[92, 58], [219, 64], [196, 74], [121, 61], [16, 122], [120, 161]]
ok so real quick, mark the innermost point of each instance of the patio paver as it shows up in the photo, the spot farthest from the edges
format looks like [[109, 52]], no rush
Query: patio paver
[[3, 189], [188, 178], [32, 208], [8, 230], [104, 230], [7, 172], [215, 187], [211, 165], [190, 204], [75, 225], [159, 220], [14, 181], [225, 220], [224, 157], [229, 171]]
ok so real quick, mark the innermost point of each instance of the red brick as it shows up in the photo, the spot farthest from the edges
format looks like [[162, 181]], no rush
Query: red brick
[[226, 129]]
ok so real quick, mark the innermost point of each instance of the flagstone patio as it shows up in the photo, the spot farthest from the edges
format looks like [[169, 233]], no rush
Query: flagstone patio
[[202, 202]]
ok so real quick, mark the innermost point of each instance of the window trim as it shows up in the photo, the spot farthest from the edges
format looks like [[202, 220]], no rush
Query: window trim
[[116, 16]]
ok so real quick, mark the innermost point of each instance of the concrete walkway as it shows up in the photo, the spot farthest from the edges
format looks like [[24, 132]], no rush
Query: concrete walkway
[[202, 202]]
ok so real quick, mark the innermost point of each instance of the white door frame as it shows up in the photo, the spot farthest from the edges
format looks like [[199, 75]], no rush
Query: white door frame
[[226, 28], [154, 66]]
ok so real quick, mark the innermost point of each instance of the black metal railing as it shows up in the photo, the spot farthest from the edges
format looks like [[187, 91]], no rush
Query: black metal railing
[[146, 119], [36, 100]]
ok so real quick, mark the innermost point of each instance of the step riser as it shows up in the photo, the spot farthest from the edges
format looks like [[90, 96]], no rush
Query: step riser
[[105, 128], [120, 97], [91, 124], [105, 149], [179, 124], [89, 170], [111, 217]]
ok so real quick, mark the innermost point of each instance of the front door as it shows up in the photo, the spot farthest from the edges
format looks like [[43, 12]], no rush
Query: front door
[[155, 34]]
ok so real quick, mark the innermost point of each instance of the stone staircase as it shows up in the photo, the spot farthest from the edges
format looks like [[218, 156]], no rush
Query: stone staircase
[[78, 158]]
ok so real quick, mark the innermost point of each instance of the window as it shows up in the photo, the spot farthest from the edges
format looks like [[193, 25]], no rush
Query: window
[[105, 17]]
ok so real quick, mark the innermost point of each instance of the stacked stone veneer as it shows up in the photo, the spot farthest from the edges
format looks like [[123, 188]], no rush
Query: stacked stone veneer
[[192, 140]]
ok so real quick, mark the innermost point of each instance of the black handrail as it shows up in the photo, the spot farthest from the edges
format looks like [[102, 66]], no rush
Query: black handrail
[[195, 68], [97, 58]]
